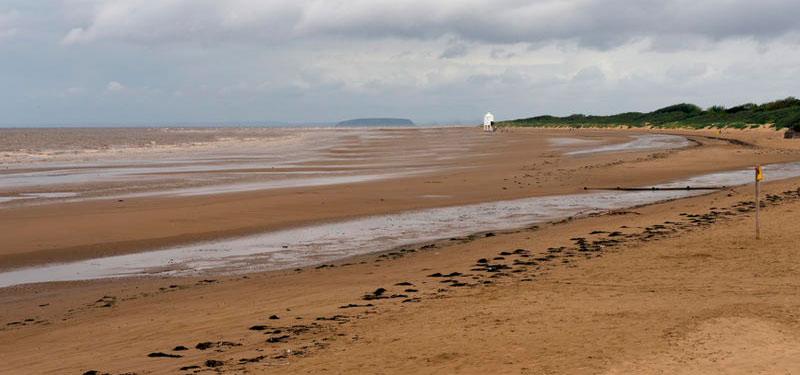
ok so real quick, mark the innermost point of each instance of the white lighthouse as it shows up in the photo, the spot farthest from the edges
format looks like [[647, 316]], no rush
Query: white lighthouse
[[488, 122]]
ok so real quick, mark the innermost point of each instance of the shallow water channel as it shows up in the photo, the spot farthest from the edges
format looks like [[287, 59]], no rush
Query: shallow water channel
[[326, 242]]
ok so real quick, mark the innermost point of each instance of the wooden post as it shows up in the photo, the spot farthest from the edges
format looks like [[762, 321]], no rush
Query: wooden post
[[758, 203]]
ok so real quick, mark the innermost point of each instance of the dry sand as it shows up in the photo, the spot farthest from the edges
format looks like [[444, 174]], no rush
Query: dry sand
[[683, 287]]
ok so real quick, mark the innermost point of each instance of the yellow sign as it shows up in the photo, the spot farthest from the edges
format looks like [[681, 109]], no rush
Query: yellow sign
[[759, 177]]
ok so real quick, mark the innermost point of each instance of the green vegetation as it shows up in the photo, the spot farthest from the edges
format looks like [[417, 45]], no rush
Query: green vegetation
[[780, 114]]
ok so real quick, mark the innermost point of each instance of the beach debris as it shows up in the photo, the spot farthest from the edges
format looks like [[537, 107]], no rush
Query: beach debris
[[214, 363], [352, 305], [208, 344], [163, 355], [254, 359]]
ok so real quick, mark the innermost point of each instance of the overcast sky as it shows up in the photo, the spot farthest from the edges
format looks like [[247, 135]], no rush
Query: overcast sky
[[164, 61]]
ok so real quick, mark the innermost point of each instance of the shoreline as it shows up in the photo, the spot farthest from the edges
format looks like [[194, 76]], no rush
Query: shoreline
[[592, 209], [267, 211]]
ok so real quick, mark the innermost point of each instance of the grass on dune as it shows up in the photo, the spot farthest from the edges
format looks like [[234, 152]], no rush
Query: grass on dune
[[784, 113]]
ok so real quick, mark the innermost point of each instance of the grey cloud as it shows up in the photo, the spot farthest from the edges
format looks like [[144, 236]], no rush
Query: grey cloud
[[594, 24], [458, 50], [686, 71], [592, 73]]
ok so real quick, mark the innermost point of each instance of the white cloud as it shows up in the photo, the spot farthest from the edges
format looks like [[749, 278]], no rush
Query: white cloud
[[8, 25], [115, 86]]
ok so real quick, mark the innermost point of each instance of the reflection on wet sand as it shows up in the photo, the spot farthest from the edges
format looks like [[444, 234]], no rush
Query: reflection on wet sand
[[322, 243]]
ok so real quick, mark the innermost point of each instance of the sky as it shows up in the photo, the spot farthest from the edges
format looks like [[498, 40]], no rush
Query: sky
[[118, 62]]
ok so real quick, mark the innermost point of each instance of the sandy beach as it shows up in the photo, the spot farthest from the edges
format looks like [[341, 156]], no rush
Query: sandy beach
[[679, 286]]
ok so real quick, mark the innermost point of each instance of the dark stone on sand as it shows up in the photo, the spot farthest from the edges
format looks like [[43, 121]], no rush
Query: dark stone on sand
[[520, 251], [254, 359], [337, 318], [498, 258], [404, 283], [452, 274], [189, 368], [379, 291], [351, 305], [258, 328], [91, 372], [277, 339], [274, 317], [179, 348], [615, 234], [505, 253], [411, 300], [204, 345], [163, 355], [411, 290], [459, 284], [483, 260], [228, 343], [437, 274], [490, 234], [214, 363]]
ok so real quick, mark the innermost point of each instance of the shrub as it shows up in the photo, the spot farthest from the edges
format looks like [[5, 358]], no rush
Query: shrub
[[791, 121], [740, 108], [783, 103], [683, 107]]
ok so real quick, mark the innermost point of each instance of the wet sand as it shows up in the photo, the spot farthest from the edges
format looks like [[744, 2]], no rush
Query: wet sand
[[500, 166], [679, 287]]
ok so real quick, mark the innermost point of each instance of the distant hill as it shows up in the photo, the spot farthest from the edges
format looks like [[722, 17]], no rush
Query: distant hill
[[784, 113], [377, 122]]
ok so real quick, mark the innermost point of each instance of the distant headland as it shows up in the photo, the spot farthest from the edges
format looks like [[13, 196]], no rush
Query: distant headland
[[377, 122]]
